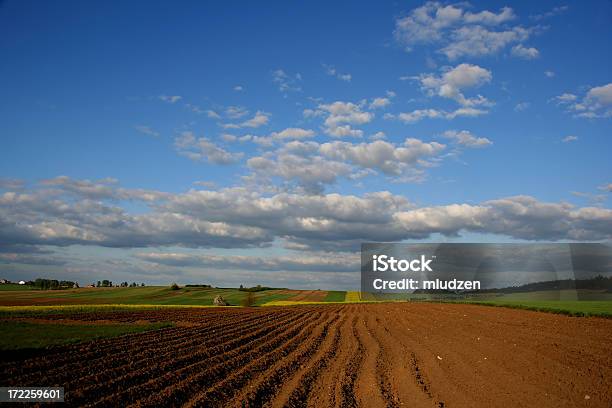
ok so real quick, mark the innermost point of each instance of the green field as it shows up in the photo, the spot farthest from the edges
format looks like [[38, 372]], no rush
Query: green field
[[15, 286], [152, 295], [601, 308], [24, 335], [11, 298]]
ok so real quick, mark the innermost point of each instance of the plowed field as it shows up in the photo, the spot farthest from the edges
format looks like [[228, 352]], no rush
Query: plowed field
[[370, 355]]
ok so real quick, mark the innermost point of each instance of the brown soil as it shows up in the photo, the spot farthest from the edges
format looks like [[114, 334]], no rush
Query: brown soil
[[309, 296], [369, 355]]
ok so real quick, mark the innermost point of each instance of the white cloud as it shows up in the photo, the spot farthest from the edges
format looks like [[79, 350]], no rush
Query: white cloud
[[340, 117], [212, 114], [202, 149], [379, 103], [310, 173], [475, 41], [236, 112], [549, 74], [521, 106], [570, 138], [194, 108], [454, 81], [525, 52], [597, 103], [287, 83], [419, 114], [11, 183], [315, 262], [239, 217], [489, 18], [553, 12], [332, 71], [259, 119], [206, 184], [286, 134], [458, 31], [312, 166], [238, 88], [381, 155], [566, 98], [146, 130], [606, 187], [467, 139], [169, 98]]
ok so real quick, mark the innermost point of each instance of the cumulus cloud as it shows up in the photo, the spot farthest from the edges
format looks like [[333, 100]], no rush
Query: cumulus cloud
[[419, 114], [454, 81], [596, 103], [20, 258], [606, 187], [381, 155], [467, 139], [313, 262], [236, 112], [32, 219], [521, 51], [11, 183], [104, 189], [242, 218], [459, 32], [294, 164], [286, 134], [565, 98], [340, 116], [212, 114], [332, 71], [312, 166], [260, 119], [203, 149], [474, 41], [378, 103]]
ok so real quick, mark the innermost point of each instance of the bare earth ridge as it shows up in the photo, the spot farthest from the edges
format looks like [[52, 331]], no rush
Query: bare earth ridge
[[370, 355]]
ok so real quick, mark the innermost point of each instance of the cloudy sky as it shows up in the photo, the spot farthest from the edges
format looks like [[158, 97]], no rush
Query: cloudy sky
[[234, 143]]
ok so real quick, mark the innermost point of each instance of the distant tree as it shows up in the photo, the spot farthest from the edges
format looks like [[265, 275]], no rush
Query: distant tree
[[241, 287], [174, 286], [142, 284], [106, 283], [99, 284]]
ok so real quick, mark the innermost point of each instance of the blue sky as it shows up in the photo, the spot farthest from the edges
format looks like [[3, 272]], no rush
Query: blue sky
[[236, 143]]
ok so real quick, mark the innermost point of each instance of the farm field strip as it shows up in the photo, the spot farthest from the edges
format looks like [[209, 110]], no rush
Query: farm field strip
[[371, 355], [97, 351], [158, 342], [169, 360]]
